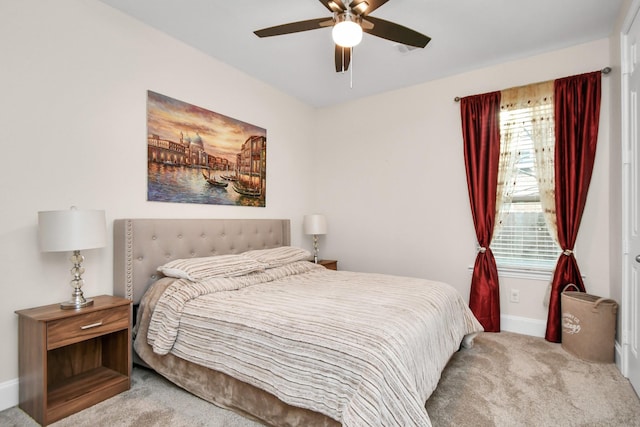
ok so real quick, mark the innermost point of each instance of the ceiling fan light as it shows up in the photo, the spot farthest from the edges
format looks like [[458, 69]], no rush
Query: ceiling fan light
[[347, 33]]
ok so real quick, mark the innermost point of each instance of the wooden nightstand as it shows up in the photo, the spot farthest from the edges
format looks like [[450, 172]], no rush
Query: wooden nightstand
[[72, 359], [330, 264]]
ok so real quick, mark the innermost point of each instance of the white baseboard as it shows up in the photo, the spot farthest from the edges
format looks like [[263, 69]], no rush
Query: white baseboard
[[523, 325], [618, 359], [9, 394]]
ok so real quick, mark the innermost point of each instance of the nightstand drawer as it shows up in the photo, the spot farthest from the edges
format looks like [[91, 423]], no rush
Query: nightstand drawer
[[86, 326]]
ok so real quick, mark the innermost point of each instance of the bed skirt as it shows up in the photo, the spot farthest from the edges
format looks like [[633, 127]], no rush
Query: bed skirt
[[230, 393]]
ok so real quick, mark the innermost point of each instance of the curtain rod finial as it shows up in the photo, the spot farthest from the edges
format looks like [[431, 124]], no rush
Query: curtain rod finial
[[456, 99]]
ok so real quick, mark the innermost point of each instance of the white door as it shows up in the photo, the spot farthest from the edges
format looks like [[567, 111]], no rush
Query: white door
[[631, 196]]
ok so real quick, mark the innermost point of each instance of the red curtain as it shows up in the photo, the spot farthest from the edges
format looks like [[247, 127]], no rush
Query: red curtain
[[577, 115], [481, 134]]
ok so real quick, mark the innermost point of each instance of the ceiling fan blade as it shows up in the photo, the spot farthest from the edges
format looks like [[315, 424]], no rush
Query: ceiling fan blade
[[294, 27], [343, 58], [366, 25], [365, 7], [334, 5], [395, 32]]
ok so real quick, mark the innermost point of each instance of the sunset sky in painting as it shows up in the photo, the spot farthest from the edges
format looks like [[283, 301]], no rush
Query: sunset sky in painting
[[222, 136]]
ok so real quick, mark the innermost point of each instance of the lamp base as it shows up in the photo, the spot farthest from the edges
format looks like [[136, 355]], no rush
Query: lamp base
[[76, 304], [77, 300], [315, 248]]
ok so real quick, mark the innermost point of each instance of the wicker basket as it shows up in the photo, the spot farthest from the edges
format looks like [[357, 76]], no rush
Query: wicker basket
[[588, 325]]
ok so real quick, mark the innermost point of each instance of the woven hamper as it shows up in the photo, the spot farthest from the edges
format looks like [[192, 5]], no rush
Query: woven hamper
[[588, 325]]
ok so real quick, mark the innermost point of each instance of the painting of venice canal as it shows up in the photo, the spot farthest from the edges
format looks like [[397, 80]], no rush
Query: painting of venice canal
[[199, 156]]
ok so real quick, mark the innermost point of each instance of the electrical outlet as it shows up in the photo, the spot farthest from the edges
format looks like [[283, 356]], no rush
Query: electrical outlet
[[515, 295]]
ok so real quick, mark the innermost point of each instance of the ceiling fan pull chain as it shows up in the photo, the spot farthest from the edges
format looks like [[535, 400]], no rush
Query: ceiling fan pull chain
[[351, 71]]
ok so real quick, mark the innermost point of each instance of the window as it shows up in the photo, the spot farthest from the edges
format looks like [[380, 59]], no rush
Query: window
[[522, 239]]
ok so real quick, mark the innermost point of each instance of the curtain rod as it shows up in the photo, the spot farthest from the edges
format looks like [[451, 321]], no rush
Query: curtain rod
[[605, 70]]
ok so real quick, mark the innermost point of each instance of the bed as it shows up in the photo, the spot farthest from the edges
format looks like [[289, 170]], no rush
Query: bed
[[254, 327]]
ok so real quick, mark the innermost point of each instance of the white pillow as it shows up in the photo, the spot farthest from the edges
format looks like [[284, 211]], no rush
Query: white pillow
[[214, 266], [276, 257]]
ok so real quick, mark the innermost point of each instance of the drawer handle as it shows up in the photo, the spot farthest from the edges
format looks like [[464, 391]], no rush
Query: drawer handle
[[93, 325]]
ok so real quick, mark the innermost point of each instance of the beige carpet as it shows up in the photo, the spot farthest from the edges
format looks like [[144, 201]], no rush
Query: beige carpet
[[504, 380]]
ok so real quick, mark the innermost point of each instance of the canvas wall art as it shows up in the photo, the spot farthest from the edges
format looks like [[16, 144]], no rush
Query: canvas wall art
[[198, 156]]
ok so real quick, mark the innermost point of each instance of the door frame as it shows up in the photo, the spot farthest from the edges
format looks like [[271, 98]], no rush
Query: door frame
[[626, 303]]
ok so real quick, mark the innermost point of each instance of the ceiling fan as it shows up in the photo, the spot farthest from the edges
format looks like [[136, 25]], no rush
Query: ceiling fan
[[348, 22]]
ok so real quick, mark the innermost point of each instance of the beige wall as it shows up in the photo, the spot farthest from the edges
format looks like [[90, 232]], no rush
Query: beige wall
[[74, 81], [391, 179]]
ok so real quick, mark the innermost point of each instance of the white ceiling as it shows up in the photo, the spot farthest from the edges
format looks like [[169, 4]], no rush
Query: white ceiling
[[466, 34]]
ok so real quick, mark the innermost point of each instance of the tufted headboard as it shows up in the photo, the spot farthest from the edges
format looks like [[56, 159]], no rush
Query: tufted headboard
[[140, 246]]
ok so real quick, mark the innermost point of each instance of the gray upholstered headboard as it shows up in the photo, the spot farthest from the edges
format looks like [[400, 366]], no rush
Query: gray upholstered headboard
[[140, 246]]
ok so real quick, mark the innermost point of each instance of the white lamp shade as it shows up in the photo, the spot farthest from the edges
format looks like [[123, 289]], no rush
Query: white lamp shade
[[71, 230], [314, 224]]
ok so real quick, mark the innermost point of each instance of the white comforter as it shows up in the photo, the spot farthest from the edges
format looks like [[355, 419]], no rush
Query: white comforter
[[364, 349]]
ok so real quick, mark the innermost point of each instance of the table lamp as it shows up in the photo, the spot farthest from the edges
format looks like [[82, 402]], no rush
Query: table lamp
[[315, 224], [73, 230]]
